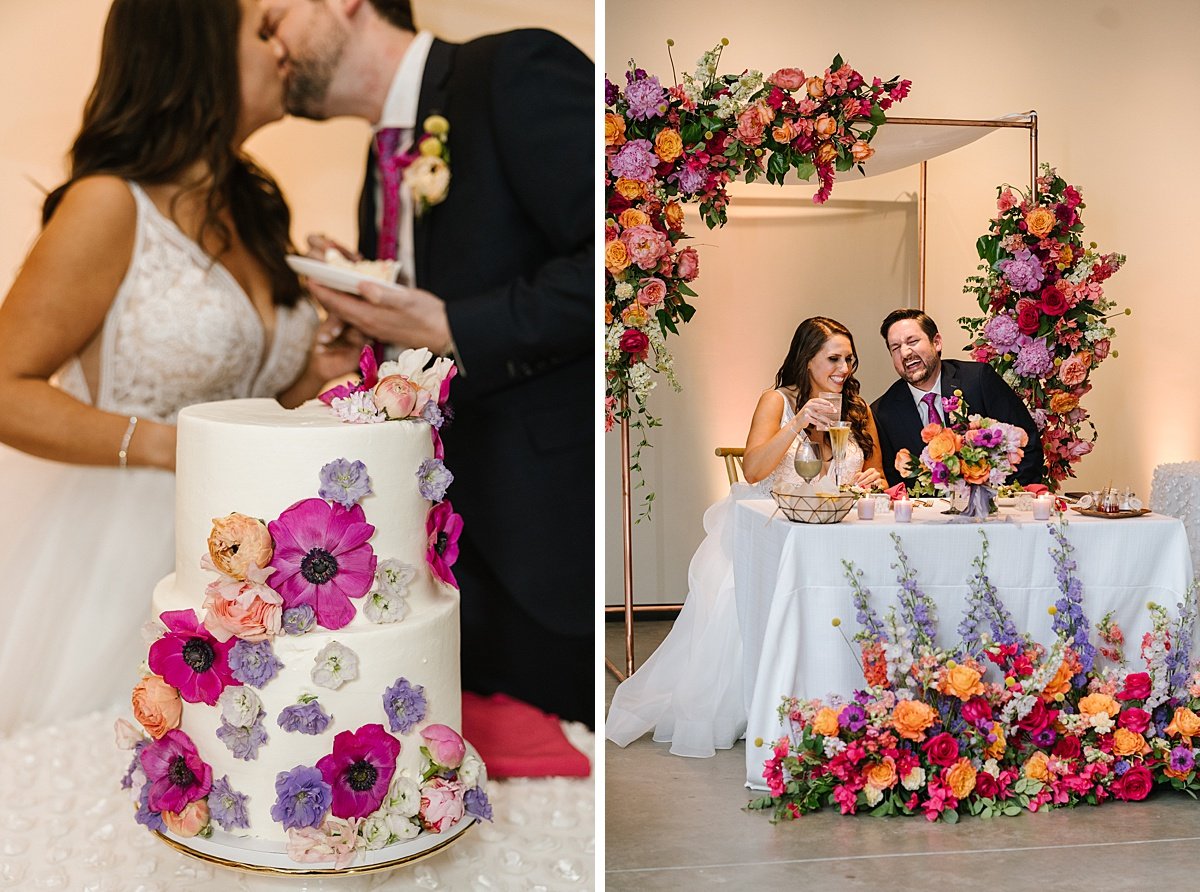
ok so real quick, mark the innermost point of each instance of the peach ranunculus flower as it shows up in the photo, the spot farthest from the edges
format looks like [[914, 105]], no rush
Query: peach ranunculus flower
[[1040, 221], [903, 460], [1185, 723], [860, 151], [238, 542], [929, 431], [815, 87], [188, 822], [616, 256], [629, 189], [156, 706], [653, 293], [825, 126], [1037, 767], [753, 120], [1073, 370], [631, 217], [787, 79], [1062, 402], [1094, 704], [673, 215], [944, 445], [247, 609], [976, 472], [826, 153], [960, 777], [614, 130], [825, 722], [962, 681], [881, 775], [995, 750], [668, 145], [1127, 743], [398, 396], [910, 718]]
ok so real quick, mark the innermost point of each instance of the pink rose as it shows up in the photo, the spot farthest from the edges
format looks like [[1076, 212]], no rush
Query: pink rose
[[977, 710], [1100, 349], [188, 822], [652, 293], [1054, 302], [444, 744], [1073, 370], [398, 397], [753, 121], [825, 126], [1136, 720], [645, 245], [787, 79], [687, 264], [1028, 316], [861, 151], [1134, 785], [247, 609], [1137, 686], [441, 804], [635, 343], [942, 749]]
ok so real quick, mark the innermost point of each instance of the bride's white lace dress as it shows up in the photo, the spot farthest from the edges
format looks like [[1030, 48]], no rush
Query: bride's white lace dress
[[690, 691], [82, 547]]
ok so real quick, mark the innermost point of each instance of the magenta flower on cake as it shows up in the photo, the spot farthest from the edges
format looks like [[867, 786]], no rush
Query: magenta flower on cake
[[323, 559], [189, 658], [368, 369], [176, 773], [444, 527], [359, 770]]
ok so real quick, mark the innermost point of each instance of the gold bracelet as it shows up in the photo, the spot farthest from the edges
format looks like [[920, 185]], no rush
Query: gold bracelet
[[123, 452]]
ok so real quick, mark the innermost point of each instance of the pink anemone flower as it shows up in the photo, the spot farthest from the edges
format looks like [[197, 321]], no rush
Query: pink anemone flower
[[323, 558], [177, 774], [360, 770], [444, 527], [189, 658]]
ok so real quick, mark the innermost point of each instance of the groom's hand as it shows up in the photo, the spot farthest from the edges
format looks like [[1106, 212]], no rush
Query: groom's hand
[[393, 314]]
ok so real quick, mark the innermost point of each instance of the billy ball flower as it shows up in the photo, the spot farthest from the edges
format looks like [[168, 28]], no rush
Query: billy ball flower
[[175, 772], [359, 770], [189, 658], [443, 527]]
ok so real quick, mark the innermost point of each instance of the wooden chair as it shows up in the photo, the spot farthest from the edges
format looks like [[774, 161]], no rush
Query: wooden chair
[[733, 461]]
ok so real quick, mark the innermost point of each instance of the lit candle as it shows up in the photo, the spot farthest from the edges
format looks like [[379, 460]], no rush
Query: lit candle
[[1041, 507], [866, 509], [903, 510]]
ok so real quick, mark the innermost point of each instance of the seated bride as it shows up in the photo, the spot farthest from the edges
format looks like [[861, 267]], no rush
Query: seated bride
[[690, 691]]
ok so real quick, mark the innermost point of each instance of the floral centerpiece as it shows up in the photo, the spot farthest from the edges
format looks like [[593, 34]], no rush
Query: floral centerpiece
[[668, 146], [997, 723], [1045, 325]]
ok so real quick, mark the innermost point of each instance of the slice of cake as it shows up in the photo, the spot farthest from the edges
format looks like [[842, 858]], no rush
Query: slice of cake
[[301, 692]]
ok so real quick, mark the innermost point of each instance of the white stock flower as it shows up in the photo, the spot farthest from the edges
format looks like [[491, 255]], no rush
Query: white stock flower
[[914, 780], [873, 794], [403, 797], [402, 827], [240, 706], [374, 831], [394, 576], [334, 665], [472, 772], [380, 607]]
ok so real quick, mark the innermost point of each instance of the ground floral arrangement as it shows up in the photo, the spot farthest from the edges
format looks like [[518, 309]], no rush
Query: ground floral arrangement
[[1045, 325], [666, 147], [997, 724]]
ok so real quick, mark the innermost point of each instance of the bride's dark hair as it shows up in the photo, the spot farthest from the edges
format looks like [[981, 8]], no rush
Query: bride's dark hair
[[811, 335], [166, 100]]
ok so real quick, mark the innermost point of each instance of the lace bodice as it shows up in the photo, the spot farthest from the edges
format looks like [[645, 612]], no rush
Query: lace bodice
[[182, 331], [785, 471]]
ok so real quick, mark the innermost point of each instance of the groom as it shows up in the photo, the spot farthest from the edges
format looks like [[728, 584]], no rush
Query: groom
[[915, 345], [499, 271]]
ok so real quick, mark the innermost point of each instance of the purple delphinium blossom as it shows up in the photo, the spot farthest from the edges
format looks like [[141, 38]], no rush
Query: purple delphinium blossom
[[359, 770], [344, 482], [243, 742], [853, 717], [1182, 759], [405, 705], [433, 479], [646, 98], [868, 620], [1120, 767], [175, 771], [306, 717], [189, 658], [1003, 333], [1070, 623], [254, 663], [146, 816], [635, 161], [135, 765], [302, 798], [917, 610], [433, 415], [476, 804], [227, 806], [1034, 360], [1023, 271], [298, 620]]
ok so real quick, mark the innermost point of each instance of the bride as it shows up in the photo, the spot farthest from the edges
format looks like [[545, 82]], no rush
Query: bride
[[690, 690], [158, 281]]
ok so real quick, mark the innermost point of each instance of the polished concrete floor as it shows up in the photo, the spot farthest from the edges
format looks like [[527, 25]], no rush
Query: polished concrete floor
[[676, 823]]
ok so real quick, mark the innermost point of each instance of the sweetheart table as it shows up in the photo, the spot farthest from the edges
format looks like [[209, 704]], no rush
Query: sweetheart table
[[791, 585]]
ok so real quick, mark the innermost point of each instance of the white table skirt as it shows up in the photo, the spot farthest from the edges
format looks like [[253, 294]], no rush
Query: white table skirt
[[791, 584]]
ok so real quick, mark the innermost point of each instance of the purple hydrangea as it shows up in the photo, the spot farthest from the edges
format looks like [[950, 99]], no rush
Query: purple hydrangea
[[405, 705], [299, 619], [433, 479], [145, 816], [1002, 332], [647, 99], [302, 798], [344, 482], [227, 806], [476, 804], [1023, 271], [1034, 360], [432, 414], [254, 663], [306, 717], [243, 742], [635, 161], [1182, 759]]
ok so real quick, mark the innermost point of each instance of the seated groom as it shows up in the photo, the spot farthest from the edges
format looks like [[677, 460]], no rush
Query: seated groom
[[915, 345]]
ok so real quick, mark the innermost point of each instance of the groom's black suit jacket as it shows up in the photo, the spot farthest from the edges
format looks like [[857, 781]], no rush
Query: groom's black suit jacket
[[511, 253], [986, 394]]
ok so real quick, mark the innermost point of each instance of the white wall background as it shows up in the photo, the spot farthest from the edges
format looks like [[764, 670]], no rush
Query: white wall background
[[1108, 81]]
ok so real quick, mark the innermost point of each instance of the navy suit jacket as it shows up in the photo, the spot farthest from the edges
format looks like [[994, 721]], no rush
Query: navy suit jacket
[[986, 394]]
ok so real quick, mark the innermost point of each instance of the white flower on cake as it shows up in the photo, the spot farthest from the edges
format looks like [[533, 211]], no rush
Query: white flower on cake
[[387, 603], [411, 365], [402, 827], [240, 706], [374, 831], [394, 577], [472, 772], [403, 798], [380, 607], [357, 408], [335, 664]]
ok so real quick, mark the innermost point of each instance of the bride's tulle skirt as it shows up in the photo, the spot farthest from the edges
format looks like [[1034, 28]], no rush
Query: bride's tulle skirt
[[80, 551]]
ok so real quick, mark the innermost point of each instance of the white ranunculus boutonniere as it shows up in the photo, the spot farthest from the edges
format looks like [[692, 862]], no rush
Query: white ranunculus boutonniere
[[428, 176]]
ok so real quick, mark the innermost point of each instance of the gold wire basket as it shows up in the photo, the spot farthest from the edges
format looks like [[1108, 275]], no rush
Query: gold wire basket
[[819, 508]]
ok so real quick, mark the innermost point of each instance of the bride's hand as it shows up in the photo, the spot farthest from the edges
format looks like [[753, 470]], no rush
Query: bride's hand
[[866, 478], [817, 413]]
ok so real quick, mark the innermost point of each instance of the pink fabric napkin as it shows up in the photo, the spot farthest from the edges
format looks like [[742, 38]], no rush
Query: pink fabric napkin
[[515, 739], [899, 491], [1036, 488]]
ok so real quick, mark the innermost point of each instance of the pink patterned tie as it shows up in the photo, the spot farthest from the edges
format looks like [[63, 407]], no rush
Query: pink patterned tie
[[391, 171], [929, 399]]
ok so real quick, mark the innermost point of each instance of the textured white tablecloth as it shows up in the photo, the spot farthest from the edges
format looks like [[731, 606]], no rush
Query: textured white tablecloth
[[1176, 492], [65, 823], [791, 584]]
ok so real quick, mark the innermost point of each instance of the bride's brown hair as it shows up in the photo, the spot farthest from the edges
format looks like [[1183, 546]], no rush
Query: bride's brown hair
[[811, 335], [167, 98]]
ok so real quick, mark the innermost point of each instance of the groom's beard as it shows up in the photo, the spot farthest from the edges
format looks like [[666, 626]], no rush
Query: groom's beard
[[310, 76]]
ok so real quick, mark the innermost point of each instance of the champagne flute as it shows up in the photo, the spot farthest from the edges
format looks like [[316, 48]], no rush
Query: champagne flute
[[806, 461], [839, 437]]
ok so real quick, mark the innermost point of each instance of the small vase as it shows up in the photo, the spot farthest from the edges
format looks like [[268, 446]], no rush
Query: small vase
[[981, 501]]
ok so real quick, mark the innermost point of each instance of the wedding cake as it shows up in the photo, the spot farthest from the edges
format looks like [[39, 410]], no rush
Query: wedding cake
[[301, 691]]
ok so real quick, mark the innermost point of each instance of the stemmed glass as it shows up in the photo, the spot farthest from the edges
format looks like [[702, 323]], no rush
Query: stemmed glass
[[839, 437], [806, 461]]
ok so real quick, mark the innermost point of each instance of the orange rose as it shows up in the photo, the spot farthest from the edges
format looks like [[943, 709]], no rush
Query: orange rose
[[826, 153], [996, 750], [962, 682], [1185, 723], [826, 722], [976, 472], [961, 778], [188, 822], [815, 87], [614, 130], [629, 189], [156, 706], [616, 256], [944, 445], [1040, 221], [1127, 743], [910, 718], [1037, 767], [1061, 403], [861, 151], [668, 145], [784, 133], [1094, 704], [825, 126], [881, 775], [238, 542], [1061, 683], [608, 316], [673, 214], [635, 316], [631, 217], [929, 431]]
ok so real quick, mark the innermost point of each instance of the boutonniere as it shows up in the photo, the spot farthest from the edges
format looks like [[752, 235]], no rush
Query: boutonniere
[[428, 175]]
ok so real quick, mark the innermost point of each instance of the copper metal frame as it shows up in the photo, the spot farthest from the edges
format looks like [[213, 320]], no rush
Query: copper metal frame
[[1028, 122]]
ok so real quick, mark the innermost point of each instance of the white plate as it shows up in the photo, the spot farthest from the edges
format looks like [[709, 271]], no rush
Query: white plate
[[332, 276]]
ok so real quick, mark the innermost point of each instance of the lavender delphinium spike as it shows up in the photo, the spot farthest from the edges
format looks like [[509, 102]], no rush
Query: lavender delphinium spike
[[916, 608], [868, 620], [1180, 657], [977, 606], [1070, 623]]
